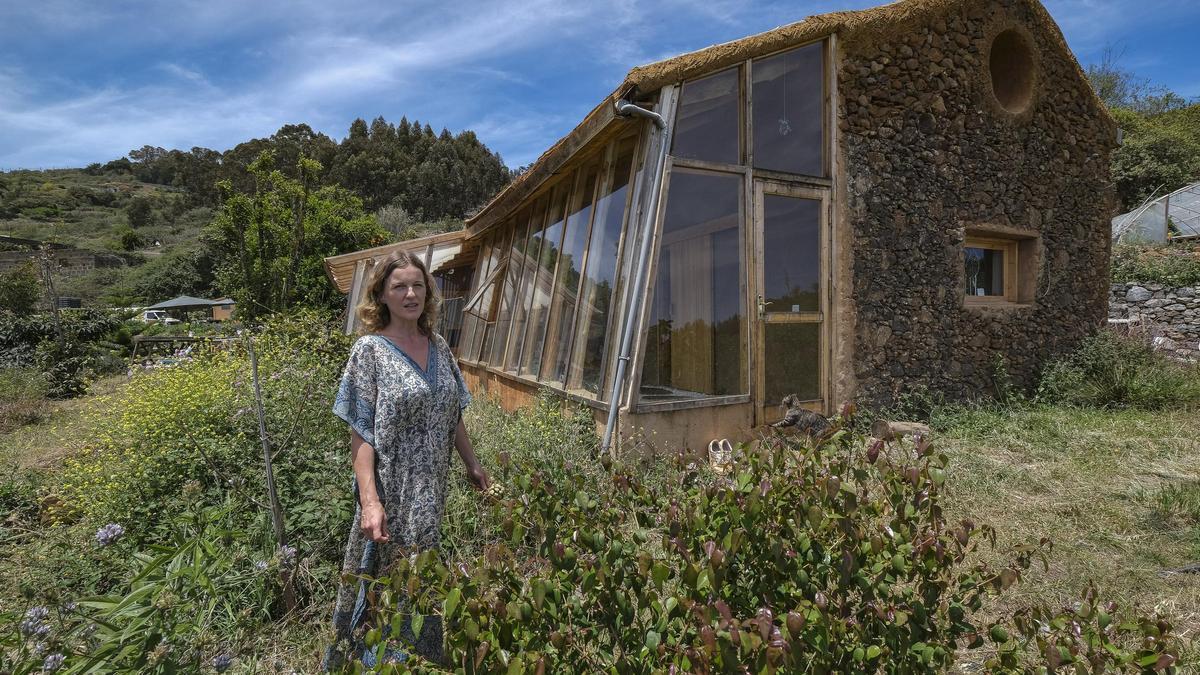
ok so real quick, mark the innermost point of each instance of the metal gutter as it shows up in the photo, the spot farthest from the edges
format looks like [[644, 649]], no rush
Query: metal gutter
[[634, 306]]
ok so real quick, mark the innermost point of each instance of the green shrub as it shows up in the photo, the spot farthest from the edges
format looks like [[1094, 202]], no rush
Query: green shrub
[[830, 559], [1111, 371], [20, 289], [184, 439], [1168, 265], [196, 421]]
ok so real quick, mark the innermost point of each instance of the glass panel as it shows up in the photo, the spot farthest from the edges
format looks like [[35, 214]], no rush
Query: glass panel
[[599, 282], [985, 271], [477, 317], [470, 322], [443, 253], [524, 296], [694, 345], [499, 256], [566, 286], [542, 289], [499, 334], [708, 124], [789, 111], [793, 361], [791, 254]]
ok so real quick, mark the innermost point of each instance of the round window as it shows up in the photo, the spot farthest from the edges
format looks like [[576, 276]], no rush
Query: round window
[[1010, 64]]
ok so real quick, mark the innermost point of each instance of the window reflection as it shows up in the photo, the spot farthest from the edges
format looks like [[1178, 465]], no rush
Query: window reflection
[[566, 285], [791, 252], [789, 113], [708, 124], [985, 271], [524, 295], [599, 282], [512, 277], [695, 346], [541, 282], [792, 351]]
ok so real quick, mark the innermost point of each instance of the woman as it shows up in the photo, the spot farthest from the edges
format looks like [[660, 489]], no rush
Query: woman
[[403, 396]]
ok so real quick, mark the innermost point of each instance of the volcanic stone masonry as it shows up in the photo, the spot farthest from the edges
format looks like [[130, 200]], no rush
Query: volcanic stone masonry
[[1170, 315], [928, 153]]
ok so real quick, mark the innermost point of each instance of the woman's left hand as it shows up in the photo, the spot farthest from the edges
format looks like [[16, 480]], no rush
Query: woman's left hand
[[479, 477]]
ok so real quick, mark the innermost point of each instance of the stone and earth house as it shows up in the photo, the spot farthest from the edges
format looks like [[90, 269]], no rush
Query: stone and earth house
[[850, 207]]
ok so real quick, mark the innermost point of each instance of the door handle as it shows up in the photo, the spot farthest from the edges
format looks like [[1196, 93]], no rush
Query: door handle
[[762, 308]]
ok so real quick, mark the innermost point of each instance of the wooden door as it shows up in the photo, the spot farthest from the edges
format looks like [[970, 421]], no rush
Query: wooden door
[[790, 292]]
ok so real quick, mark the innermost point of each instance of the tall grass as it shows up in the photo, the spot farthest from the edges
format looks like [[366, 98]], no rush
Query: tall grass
[[22, 397], [1113, 371]]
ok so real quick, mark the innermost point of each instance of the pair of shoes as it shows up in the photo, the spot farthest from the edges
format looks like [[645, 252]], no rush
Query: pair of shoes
[[720, 454]]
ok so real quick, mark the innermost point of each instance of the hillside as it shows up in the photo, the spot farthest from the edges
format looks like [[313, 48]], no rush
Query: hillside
[[97, 213], [147, 212]]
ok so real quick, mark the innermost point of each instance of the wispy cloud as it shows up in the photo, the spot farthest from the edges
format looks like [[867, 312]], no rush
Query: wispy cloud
[[85, 81]]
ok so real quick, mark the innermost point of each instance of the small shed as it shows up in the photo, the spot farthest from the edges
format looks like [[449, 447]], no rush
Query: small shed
[[220, 310], [856, 206]]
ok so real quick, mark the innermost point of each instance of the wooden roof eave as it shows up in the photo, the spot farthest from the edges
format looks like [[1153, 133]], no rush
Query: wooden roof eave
[[340, 268], [601, 119]]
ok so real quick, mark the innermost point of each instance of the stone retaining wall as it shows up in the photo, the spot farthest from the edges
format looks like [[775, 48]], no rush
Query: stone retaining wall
[[1171, 315]]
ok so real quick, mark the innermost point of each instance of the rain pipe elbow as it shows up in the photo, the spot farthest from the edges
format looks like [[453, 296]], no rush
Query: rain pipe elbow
[[625, 108]]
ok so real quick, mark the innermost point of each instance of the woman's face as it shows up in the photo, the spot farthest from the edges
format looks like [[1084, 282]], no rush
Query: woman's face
[[404, 293]]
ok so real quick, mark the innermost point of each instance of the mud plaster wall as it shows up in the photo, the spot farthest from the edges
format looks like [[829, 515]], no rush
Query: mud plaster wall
[[927, 153]]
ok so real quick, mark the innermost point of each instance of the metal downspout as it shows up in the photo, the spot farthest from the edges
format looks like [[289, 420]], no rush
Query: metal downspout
[[633, 310]]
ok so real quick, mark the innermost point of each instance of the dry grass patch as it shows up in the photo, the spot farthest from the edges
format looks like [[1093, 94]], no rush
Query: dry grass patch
[[57, 428], [1114, 490]]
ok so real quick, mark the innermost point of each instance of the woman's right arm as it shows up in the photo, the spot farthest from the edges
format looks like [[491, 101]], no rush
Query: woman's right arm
[[373, 522]]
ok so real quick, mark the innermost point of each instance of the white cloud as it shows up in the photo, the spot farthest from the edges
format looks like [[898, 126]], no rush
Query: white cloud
[[217, 72]]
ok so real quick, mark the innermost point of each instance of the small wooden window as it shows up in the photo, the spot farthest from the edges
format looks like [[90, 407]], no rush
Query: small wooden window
[[990, 267]]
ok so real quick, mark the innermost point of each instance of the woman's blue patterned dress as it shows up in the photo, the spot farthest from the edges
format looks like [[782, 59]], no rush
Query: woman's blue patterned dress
[[409, 416]]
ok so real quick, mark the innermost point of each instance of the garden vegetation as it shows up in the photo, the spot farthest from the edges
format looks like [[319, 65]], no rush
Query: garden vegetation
[[151, 548]]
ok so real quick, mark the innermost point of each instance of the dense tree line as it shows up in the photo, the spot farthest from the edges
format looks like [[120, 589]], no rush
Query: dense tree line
[[429, 175]]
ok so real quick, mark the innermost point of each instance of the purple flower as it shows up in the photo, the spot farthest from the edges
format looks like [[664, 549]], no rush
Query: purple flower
[[287, 555], [221, 663], [53, 663], [33, 624], [261, 565], [109, 534]]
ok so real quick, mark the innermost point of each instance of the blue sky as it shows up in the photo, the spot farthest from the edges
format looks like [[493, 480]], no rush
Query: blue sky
[[88, 80]]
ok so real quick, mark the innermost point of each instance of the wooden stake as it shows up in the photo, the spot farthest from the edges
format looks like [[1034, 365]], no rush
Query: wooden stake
[[888, 431], [277, 523]]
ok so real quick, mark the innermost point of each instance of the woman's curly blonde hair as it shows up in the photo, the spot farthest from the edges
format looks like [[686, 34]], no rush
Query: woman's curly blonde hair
[[375, 315]]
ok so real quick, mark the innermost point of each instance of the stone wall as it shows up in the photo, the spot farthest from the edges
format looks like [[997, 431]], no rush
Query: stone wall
[[70, 261], [1170, 315], [927, 153]]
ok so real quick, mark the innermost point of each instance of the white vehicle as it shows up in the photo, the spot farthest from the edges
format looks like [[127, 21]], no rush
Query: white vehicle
[[158, 316]]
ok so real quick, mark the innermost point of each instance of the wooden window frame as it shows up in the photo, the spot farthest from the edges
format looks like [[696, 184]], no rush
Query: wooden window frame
[[1010, 271]]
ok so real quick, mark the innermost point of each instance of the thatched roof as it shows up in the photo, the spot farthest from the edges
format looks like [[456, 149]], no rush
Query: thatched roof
[[851, 27]]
